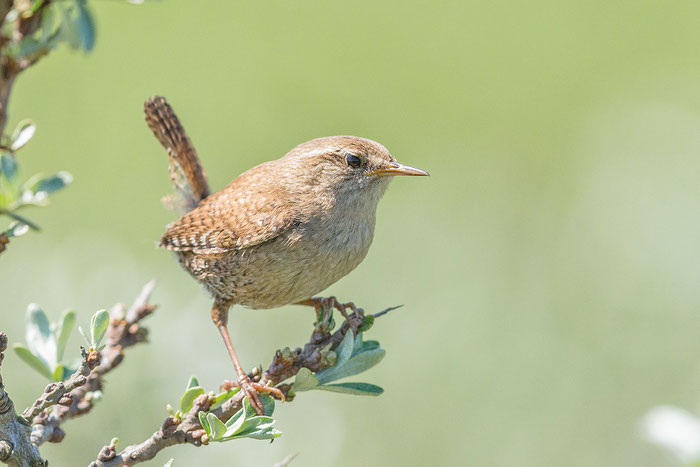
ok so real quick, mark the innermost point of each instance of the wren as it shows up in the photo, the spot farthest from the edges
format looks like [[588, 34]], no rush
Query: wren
[[281, 232]]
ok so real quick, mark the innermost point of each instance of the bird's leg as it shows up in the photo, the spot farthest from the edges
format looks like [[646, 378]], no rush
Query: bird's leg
[[219, 315]]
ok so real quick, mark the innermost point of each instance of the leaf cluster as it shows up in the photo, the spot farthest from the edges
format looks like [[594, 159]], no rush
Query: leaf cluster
[[353, 356], [16, 194], [46, 342]]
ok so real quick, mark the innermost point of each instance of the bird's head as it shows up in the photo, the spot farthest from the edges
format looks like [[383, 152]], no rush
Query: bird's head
[[348, 166]]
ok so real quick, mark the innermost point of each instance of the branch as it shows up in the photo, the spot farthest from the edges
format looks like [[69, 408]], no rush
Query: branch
[[124, 331], [188, 430], [16, 448]]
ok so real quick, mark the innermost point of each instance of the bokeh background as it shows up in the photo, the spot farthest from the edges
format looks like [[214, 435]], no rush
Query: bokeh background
[[549, 267]]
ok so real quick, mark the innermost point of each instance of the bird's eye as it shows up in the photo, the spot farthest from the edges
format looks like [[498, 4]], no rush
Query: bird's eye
[[353, 161]]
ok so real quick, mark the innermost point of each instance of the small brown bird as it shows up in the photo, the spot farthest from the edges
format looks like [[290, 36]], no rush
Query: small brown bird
[[282, 231]]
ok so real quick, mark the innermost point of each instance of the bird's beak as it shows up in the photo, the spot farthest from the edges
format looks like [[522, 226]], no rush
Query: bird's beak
[[398, 169]]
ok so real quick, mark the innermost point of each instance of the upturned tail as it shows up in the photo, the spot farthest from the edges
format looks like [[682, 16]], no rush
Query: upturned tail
[[186, 172]]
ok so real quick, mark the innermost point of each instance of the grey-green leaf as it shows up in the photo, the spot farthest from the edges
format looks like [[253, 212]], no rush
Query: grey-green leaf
[[23, 132], [357, 364], [86, 27], [51, 184], [220, 398], [304, 380], [192, 382], [32, 360], [63, 332], [268, 403], [344, 349], [187, 399], [22, 219], [217, 427], [40, 339], [359, 389], [16, 229], [8, 163], [204, 422], [98, 327]]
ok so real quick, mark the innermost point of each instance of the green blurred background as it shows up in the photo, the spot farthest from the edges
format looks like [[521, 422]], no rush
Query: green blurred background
[[549, 267]]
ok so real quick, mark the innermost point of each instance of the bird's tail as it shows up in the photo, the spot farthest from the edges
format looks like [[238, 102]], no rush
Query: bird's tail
[[186, 172]]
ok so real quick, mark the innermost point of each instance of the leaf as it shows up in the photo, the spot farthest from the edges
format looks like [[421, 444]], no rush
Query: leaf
[[192, 382], [268, 403], [204, 421], [369, 345], [357, 364], [98, 327], [269, 433], [8, 163], [251, 424], [169, 463], [359, 389], [233, 425], [86, 26], [32, 360], [16, 229], [63, 332], [304, 380], [58, 373], [40, 339], [344, 349], [217, 427], [187, 399], [219, 399], [51, 184], [21, 219], [25, 129]]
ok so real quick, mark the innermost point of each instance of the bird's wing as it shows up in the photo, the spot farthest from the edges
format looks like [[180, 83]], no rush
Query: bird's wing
[[250, 211]]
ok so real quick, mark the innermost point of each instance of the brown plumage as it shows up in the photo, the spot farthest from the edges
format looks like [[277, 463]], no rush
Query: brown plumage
[[284, 230]]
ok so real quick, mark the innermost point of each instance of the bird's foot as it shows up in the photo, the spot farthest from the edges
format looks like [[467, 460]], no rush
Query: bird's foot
[[325, 305], [252, 390]]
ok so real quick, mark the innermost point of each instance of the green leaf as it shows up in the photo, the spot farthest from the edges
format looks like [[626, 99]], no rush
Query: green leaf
[[359, 389], [58, 373], [268, 404], [192, 382], [63, 332], [187, 399], [357, 364], [269, 433], [84, 334], [169, 463], [205, 423], [51, 184], [8, 163], [86, 27], [98, 327], [233, 424], [217, 427], [304, 380], [40, 339], [16, 229], [219, 399], [251, 424], [26, 128], [236, 419], [344, 349], [369, 345], [32, 360]]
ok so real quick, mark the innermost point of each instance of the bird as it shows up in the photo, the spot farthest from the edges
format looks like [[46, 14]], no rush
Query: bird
[[281, 232]]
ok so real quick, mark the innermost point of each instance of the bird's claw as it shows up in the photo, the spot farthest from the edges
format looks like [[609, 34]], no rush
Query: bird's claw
[[252, 390]]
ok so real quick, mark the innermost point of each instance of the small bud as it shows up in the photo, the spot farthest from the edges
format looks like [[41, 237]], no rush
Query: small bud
[[66, 400], [106, 454], [169, 408], [114, 442], [57, 435]]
